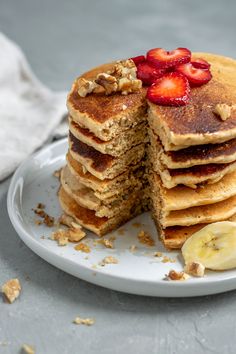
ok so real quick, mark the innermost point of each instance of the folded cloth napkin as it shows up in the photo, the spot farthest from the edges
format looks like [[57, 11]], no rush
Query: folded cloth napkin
[[29, 112]]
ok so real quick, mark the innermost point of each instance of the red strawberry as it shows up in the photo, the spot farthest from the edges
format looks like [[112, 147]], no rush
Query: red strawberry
[[148, 73], [139, 59], [172, 89], [196, 77], [167, 59], [200, 63]]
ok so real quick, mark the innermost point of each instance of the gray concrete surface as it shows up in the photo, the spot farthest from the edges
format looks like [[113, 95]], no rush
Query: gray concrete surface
[[62, 39]]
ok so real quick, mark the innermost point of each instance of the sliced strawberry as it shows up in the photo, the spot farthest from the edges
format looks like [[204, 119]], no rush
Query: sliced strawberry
[[172, 89], [196, 77], [167, 59], [139, 59], [148, 73], [200, 63]]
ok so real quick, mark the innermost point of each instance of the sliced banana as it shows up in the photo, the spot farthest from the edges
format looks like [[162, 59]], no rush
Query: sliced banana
[[214, 246]]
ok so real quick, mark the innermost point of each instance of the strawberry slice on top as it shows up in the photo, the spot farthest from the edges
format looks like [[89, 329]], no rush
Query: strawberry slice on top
[[172, 89], [164, 59], [148, 73], [139, 59], [200, 63], [195, 76]]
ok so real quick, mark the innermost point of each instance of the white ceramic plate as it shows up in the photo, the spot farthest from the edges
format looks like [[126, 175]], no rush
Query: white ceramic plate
[[137, 272]]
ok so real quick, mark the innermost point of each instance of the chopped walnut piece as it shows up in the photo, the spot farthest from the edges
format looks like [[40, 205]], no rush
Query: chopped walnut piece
[[107, 81], [11, 289], [85, 86], [194, 268], [47, 219], [27, 349], [108, 260], [124, 68], [145, 238], [83, 247], [84, 321], [173, 275], [223, 110], [127, 86]]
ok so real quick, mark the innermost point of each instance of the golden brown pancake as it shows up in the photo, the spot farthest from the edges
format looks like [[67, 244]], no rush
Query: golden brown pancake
[[114, 147], [195, 155], [103, 115], [103, 165], [109, 187], [182, 197], [192, 176], [196, 123], [90, 221]]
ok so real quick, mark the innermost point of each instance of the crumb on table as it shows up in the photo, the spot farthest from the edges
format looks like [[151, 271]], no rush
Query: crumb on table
[[11, 290]]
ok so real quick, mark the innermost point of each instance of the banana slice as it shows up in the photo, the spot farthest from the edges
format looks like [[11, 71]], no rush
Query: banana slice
[[214, 246]]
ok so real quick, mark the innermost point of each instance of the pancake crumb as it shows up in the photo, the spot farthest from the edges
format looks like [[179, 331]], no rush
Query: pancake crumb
[[82, 247], [84, 321], [173, 275], [73, 234], [137, 224], [158, 254], [27, 349], [107, 243], [47, 219], [133, 248], [66, 220], [121, 232], [11, 290], [108, 260], [145, 238], [168, 259]]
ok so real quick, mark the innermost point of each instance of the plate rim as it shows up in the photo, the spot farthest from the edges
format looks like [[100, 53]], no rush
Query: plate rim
[[180, 289]]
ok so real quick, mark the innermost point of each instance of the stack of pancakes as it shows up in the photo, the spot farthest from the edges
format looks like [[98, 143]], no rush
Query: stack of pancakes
[[103, 184], [190, 153], [192, 156]]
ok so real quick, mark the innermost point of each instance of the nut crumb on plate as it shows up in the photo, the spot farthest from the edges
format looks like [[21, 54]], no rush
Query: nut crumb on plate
[[194, 268], [167, 259], [158, 254], [107, 243], [173, 275], [27, 349], [84, 321], [108, 260], [133, 248], [66, 220], [73, 234], [145, 238], [11, 290]]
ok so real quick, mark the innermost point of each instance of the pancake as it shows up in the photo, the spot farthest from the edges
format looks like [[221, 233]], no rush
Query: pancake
[[88, 219], [182, 197], [114, 147], [175, 236], [196, 155], [107, 187], [86, 198], [198, 214], [192, 176], [103, 165], [103, 115], [196, 123]]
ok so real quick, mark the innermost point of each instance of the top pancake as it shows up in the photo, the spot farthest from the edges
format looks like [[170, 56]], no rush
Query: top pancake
[[106, 116], [195, 123]]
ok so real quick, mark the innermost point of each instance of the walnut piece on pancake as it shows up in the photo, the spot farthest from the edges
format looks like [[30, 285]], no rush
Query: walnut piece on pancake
[[122, 78], [108, 82], [11, 290], [85, 86], [223, 110], [194, 268], [173, 275]]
